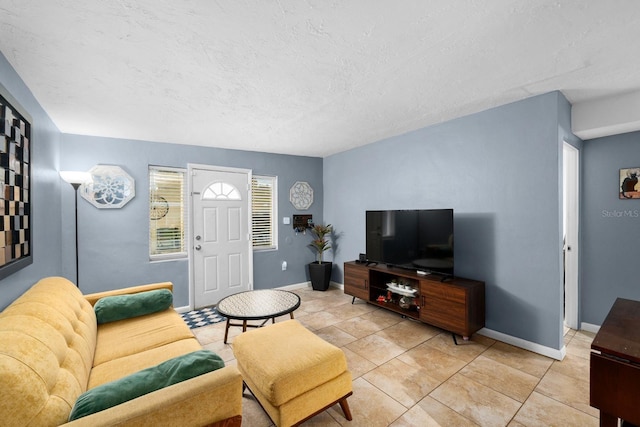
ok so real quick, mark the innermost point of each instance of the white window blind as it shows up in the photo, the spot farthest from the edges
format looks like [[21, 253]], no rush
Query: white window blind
[[263, 202], [167, 219]]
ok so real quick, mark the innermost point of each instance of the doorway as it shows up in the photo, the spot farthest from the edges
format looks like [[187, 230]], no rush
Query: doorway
[[571, 210], [221, 255]]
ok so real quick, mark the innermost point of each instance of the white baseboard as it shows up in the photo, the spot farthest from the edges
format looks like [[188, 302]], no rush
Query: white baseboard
[[293, 286], [589, 327], [524, 344], [304, 285], [336, 285], [508, 339], [183, 309], [490, 333]]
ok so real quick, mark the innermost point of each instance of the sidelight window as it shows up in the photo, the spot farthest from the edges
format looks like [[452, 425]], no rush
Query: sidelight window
[[263, 206], [167, 213]]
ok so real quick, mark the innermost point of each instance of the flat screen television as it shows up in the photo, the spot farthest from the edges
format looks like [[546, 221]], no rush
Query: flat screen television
[[418, 239]]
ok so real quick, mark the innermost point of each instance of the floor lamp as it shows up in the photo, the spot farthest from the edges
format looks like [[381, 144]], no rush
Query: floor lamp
[[76, 179]]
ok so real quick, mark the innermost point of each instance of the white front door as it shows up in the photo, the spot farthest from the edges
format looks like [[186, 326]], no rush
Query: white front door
[[221, 250]]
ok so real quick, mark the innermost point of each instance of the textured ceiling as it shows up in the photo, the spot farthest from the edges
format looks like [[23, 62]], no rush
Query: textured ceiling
[[311, 77]]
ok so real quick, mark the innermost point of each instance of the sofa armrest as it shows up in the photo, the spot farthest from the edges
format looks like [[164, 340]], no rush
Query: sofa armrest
[[93, 298], [202, 400]]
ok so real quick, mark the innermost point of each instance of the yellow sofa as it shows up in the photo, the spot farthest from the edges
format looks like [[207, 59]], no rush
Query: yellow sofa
[[52, 350]]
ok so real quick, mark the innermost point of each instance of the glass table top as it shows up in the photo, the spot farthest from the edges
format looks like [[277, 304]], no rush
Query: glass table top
[[258, 304]]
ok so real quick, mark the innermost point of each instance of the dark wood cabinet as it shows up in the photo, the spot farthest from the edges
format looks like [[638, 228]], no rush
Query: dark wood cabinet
[[356, 280], [615, 365], [457, 306], [453, 304]]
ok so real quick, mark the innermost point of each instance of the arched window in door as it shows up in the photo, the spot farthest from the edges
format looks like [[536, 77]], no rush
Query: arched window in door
[[221, 191]]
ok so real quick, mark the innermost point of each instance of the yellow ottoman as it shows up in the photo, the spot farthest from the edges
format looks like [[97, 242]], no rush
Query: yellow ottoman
[[292, 372]]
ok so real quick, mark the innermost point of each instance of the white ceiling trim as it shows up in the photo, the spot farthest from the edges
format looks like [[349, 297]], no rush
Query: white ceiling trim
[[606, 116]]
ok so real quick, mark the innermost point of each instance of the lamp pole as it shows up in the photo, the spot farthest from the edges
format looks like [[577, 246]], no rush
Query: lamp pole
[[75, 186], [76, 179]]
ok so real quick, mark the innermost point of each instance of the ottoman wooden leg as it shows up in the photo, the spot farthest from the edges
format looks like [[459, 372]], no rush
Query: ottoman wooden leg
[[343, 404]]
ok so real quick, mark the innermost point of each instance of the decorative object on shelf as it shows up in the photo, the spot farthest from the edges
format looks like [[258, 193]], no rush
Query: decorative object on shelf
[[15, 185], [629, 187], [301, 195], [405, 302], [320, 271], [111, 187], [76, 179], [158, 207], [401, 289]]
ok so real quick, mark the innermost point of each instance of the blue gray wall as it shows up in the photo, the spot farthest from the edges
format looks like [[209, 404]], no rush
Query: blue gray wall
[[113, 243], [610, 227], [45, 191], [500, 171], [114, 248]]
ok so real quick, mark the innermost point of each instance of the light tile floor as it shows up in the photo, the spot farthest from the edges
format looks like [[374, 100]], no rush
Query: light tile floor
[[406, 373]]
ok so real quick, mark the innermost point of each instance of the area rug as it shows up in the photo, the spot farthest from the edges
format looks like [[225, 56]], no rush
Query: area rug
[[202, 317]]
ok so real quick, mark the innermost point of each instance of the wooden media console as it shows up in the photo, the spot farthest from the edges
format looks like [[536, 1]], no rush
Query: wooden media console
[[451, 303]]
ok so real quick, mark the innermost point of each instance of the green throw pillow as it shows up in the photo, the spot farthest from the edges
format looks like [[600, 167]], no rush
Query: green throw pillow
[[118, 307], [172, 371]]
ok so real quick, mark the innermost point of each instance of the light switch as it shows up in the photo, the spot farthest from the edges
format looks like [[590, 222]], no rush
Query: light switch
[[286, 220]]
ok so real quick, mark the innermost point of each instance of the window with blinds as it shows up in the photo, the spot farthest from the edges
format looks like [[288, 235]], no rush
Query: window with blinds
[[167, 220], [263, 206]]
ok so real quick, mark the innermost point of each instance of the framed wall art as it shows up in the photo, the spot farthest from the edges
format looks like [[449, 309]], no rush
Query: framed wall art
[[628, 184], [15, 186]]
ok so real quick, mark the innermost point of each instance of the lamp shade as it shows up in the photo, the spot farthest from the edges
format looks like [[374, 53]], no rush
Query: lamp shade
[[75, 177]]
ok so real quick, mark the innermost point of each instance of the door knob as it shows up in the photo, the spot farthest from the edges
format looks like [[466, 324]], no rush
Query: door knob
[[198, 247]]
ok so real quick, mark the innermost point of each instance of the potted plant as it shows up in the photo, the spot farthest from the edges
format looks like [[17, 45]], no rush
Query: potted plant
[[320, 271]]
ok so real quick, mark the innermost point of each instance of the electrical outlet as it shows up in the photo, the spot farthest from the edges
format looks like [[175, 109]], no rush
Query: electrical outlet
[[284, 265]]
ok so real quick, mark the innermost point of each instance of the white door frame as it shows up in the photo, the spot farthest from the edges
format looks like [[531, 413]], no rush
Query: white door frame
[[571, 214], [190, 241]]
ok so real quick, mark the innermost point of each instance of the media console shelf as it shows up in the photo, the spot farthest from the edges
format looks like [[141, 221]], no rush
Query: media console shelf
[[455, 305]]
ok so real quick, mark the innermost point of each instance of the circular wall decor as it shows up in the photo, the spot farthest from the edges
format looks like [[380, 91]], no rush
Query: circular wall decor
[[158, 207], [110, 187], [301, 195]]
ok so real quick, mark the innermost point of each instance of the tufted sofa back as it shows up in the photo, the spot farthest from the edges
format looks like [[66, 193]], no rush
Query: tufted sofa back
[[47, 343]]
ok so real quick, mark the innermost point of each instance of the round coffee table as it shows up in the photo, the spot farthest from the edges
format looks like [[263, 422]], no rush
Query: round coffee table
[[263, 304]]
